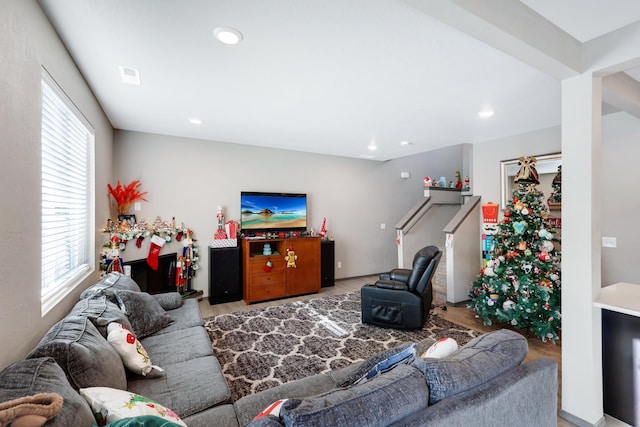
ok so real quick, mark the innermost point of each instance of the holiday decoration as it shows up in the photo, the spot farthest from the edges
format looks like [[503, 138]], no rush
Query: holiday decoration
[[156, 244], [291, 257], [527, 172], [187, 267], [427, 181], [520, 282], [323, 228], [167, 230], [124, 196], [111, 260], [555, 199], [490, 213], [220, 232], [459, 180]]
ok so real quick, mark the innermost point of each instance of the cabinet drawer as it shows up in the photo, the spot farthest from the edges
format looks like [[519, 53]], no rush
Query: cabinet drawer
[[265, 292], [273, 278], [256, 266]]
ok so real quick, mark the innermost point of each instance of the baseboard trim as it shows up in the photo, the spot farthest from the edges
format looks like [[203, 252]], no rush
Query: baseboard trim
[[580, 422]]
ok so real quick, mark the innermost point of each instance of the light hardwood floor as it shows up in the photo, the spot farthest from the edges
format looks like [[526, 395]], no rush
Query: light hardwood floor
[[456, 314]]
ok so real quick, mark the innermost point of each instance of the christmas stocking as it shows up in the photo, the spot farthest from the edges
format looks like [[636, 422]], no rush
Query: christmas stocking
[[154, 250]]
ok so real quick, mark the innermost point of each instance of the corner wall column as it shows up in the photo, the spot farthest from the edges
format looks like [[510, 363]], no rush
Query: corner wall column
[[581, 250]]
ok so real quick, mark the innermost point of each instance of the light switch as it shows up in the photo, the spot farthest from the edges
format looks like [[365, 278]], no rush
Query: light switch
[[609, 242]]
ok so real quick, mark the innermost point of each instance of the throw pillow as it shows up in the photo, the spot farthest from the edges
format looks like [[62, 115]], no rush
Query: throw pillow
[[441, 348], [85, 356], [133, 354], [389, 397], [271, 410], [101, 311], [108, 284], [141, 421], [143, 311], [111, 405], [169, 300], [478, 361]]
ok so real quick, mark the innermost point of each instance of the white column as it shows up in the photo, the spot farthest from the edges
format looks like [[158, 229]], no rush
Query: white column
[[581, 247]]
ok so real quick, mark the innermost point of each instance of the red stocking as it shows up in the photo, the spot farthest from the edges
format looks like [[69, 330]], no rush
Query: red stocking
[[154, 250]]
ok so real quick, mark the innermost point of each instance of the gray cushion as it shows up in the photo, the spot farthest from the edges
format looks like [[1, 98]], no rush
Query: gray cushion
[[221, 415], [184, 317], [481, 359], [187, 387], [84, 355], [143, 311], [169, 300], [101, 312], [178, 346], [389, 397], [43, 375], [108, 284]]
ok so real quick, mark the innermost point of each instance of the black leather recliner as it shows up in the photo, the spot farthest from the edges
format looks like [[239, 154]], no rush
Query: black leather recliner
[[402, 298]]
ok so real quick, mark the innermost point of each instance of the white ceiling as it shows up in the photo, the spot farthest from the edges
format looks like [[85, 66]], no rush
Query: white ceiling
[[330, 76]]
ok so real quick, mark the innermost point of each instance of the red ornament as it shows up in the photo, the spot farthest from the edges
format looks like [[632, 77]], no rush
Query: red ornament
[[507, 213]]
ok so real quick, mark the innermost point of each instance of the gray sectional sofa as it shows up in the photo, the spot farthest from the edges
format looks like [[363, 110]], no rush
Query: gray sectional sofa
[[484, 383]]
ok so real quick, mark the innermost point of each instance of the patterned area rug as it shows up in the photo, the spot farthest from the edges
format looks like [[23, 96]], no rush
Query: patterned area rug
[[262, 348]]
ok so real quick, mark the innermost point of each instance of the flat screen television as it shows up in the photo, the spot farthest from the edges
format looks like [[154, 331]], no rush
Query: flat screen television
[[269, 212]]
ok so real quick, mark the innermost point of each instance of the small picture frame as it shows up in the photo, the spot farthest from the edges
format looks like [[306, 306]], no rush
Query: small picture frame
[[131, 219]]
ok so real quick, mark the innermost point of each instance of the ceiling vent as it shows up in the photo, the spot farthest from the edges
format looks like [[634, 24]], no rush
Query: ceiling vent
[[130, 75]]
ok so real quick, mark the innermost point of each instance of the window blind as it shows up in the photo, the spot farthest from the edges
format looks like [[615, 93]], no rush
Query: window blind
[[67, 147]]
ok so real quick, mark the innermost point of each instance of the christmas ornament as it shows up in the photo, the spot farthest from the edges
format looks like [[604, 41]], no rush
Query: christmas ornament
[[525, 211], [544, 256], [291, 258], [522, 245], [508, 305], [519, 226], [267, 266], [527, 172]]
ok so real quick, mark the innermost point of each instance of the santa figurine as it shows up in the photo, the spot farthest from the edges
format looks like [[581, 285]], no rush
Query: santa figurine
[[427, 181]]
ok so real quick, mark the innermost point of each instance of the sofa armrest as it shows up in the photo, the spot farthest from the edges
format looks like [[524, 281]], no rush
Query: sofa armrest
[[527, 393], [391, 284]]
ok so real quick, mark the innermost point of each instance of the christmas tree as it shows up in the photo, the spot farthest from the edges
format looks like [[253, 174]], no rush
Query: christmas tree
[[520, 283], [556, 186]]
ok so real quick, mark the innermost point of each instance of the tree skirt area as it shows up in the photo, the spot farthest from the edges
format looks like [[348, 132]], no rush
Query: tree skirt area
[[262, 348]]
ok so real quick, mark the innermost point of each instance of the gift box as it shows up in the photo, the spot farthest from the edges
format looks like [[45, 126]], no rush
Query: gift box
[[224, 243]]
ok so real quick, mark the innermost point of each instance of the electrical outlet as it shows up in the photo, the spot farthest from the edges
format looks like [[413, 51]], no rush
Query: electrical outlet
[[609, 242], [137, 206], [383, 226], [339, 264]]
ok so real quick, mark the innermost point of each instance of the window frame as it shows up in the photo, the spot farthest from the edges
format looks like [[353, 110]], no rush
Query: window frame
[[52, 295]]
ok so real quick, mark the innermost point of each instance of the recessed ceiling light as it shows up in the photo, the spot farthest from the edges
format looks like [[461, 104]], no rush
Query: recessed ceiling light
[[195, 121], [372, 146], [486, 113], [405, 143], [130, 75], [227, 35]]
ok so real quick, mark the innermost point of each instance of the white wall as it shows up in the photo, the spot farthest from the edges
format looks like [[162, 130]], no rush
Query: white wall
[[189, 178], [27, 42], [620, 201]]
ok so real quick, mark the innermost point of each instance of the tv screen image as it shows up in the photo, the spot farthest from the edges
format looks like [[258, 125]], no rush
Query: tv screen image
[[262, 211]]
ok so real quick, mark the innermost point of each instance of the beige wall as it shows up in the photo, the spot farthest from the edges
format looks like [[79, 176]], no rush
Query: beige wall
[[28, 42], [189, 178]]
